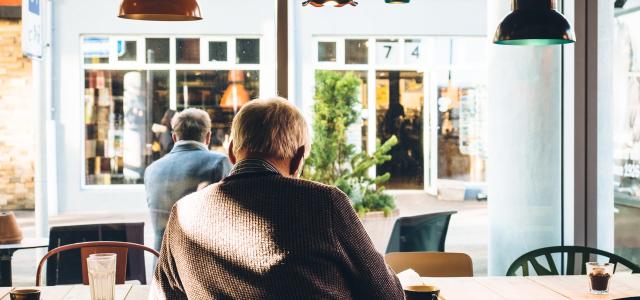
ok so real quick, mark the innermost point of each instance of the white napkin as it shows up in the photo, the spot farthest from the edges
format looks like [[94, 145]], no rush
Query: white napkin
[[409, 277]]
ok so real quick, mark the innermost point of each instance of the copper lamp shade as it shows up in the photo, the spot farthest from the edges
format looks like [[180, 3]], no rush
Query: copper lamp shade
[[10, 233], [336, 3], [160, 10]]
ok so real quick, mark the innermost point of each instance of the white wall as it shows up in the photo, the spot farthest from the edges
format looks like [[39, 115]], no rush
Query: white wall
[[73, 18]]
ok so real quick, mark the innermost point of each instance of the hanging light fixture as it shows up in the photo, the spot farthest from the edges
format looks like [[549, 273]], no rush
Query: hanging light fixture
[[336, 3], [397, 1], [160, 10], [534, 23]]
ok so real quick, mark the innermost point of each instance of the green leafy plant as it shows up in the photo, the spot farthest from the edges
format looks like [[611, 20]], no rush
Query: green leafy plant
[[333, 160]]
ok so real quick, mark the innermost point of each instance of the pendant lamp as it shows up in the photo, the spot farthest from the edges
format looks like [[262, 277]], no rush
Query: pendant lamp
[[160, 10], [336, 3], [534, 23], [397, 1], [235, 96]]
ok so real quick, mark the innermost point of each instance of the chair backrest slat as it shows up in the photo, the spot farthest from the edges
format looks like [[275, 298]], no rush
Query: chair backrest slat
[[571, 263], [551, 263], [525, 268], [586, 253]]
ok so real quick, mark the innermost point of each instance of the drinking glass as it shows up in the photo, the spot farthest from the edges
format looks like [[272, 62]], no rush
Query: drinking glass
[[599, 277], [102, 275]]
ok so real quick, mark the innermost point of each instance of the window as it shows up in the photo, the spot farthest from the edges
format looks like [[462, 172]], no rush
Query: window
[[218, 51], [130, 97], [327, 52], [188, 51], [247, 51], [157, 50], [461, 109], [357, 52], [626, 136], [430, 94]]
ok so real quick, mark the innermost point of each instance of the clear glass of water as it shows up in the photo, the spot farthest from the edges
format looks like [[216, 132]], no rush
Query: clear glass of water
[[102, 275]]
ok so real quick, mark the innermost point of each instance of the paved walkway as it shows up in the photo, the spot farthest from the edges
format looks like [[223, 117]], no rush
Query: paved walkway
[[468, 231]]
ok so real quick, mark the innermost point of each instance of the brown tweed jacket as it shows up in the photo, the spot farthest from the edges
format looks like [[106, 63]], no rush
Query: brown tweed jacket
[[265, 236]]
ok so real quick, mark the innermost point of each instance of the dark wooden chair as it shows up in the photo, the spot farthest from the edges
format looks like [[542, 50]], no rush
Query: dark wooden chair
[[420, 233], [586, 254], [64, 268], [431, 264], [121, 250]]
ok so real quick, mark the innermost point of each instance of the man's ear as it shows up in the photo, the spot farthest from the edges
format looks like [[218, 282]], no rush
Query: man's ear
[[297, 162], [207, 139], [174, 137], [232, 157]]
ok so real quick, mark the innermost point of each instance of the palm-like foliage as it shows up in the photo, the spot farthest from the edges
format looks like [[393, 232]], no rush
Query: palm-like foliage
[[333, 160]]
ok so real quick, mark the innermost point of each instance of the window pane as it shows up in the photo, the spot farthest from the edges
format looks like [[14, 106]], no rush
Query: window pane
[[327, 51], [248, 51], [121, 124], [220, 93], [399, 110], [95, 50], [127, 50], [387, 52], [356, 51], [187, 51], [412, 51], [157, 51], [626, 136], [462, 121], [218, 51]]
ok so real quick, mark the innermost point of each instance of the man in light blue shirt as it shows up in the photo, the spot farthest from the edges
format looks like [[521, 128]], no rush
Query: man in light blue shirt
[[188, 167]]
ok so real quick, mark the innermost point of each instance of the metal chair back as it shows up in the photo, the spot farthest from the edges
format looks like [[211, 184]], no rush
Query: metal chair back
[[119, 248], [543, 263], [420, 233]]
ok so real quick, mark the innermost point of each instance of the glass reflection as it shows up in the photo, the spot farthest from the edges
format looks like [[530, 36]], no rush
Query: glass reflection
[[120, 110], [461, 127], [220, 93], [400, 112]]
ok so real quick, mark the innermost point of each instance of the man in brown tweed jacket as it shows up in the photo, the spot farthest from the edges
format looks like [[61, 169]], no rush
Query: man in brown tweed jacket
[[263, 233]]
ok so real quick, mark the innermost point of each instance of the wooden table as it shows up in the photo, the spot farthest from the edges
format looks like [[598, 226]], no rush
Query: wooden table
[[490, 288], [6, 253], [81, 292], [544, 287]]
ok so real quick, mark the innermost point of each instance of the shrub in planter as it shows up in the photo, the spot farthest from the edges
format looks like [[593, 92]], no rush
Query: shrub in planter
[[333, 160]]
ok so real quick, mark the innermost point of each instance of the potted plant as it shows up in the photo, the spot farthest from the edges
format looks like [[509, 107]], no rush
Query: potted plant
[[335, 161]]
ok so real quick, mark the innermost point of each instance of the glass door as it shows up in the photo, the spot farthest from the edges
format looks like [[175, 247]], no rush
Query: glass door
[[400, 112]]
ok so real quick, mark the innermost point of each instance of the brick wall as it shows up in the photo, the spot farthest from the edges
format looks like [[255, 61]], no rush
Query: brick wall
[[17, 120]]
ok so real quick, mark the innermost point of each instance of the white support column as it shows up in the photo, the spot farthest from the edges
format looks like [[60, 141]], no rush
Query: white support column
[[524, 164], [40, 166]]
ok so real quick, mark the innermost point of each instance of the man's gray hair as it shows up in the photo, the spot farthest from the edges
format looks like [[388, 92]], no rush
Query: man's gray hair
[[271, 127], [191, 124]]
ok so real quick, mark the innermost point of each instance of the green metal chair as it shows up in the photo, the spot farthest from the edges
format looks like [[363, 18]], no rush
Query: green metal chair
[[531, 258]]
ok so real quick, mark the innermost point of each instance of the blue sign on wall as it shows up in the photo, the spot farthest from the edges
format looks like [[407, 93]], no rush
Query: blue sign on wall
[[34, 6]]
